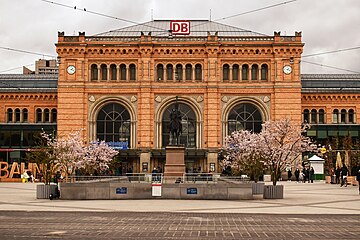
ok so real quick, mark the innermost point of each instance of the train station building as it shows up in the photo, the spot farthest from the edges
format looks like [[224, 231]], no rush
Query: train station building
[[120, 86]]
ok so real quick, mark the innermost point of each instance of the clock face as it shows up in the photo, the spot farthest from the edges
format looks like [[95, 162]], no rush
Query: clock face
[[71, 69], [287, 69]]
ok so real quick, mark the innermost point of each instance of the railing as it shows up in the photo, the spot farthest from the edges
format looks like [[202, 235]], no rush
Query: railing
[[159, 178]]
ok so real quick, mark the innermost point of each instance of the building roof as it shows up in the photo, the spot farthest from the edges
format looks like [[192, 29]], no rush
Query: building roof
[[198, 28], [330, 83], [28, 82]]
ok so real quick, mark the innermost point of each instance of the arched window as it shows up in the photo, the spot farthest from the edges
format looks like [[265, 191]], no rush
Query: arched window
[[198, 72], [306, 116], [244, 116], [113, 124], [178, 73], [264, 72], [17, 115], [94, 72], [321, 116], [336, 116], [38, 115], [245, 72], [313, 116], [9, 115], [25, 114], [188, 123], [54, 115], [122, 72], [235, 72], [351, 116], [188, 72], [343, 116], [103, 72], [254, 72], [169, 72], [160, 72], [113, 72], [132, 69], [226, 72], [46, 115]]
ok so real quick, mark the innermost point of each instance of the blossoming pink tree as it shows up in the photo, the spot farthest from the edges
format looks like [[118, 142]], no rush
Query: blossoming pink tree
[[98, 157], [70, 153], [278, 145], [282, 143], [67, 151], [242, 153]]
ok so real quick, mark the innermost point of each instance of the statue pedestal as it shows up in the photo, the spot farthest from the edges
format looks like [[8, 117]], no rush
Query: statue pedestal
[[175, 164]]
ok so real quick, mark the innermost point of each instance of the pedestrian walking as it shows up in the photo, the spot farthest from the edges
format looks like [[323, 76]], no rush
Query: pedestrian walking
[[312, 175], [297, 175], [337, 175], [289, 175], [344, 173]]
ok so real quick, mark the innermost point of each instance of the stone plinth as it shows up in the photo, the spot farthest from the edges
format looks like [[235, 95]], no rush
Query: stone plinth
[[175, 164]]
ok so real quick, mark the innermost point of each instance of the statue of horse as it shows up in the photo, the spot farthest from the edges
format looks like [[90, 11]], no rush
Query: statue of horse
[[175, 126]]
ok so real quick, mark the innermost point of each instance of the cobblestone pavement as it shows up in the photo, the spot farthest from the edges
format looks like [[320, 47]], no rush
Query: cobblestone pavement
[[155, 225]]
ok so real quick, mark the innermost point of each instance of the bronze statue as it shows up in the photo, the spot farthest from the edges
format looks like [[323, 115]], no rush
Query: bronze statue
[[175, 125]]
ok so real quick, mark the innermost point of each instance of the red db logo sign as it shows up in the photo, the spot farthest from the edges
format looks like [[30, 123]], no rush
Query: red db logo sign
[[180, 27]]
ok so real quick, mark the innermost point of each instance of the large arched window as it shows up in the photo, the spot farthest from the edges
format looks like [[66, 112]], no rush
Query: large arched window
[[188, 123], [351, 116], [17, 115], [94, 72], [46, 115], [306, 115], [343, 116], [103, 72], [235, 72], [25, 114], [244, 116], [198, 72], [313, 116], [160, 72], [336, 116], [9, 115], [321, 116], [113, 72], [226, 72], [264, 72], [178, 73], [132, 69], [254, 72], [53, 115], [122, 72], [188, 72], [38, 115], [113, 124], [169, 72], [245, 72]]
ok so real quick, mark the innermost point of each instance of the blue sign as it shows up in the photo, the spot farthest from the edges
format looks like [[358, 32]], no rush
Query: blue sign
[[118, 145], [121, 190], [191, 190]]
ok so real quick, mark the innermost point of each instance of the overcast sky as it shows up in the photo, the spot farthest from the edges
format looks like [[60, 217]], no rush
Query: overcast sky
[[326, 25]]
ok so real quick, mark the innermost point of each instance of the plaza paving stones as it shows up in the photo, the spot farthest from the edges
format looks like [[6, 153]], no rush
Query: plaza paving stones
[[308, 211]]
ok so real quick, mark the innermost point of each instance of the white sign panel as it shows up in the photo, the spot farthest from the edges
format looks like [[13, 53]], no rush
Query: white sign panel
[[180, 27]]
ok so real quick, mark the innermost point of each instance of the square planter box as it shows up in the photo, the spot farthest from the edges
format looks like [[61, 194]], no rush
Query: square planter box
[[43, 191], [273, 192]]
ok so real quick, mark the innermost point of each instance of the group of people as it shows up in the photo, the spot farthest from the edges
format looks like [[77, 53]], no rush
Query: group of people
[[341, 175], [307, 174]]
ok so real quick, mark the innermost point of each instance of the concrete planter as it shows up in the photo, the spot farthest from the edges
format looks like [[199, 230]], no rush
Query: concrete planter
[[273, 192], [43, 191], [257, 188]]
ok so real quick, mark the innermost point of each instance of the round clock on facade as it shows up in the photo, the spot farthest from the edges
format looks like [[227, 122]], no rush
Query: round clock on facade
[[287, 69], [71, 69]]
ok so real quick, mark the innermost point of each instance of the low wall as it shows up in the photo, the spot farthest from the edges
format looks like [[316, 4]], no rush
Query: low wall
[[127, 190]]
